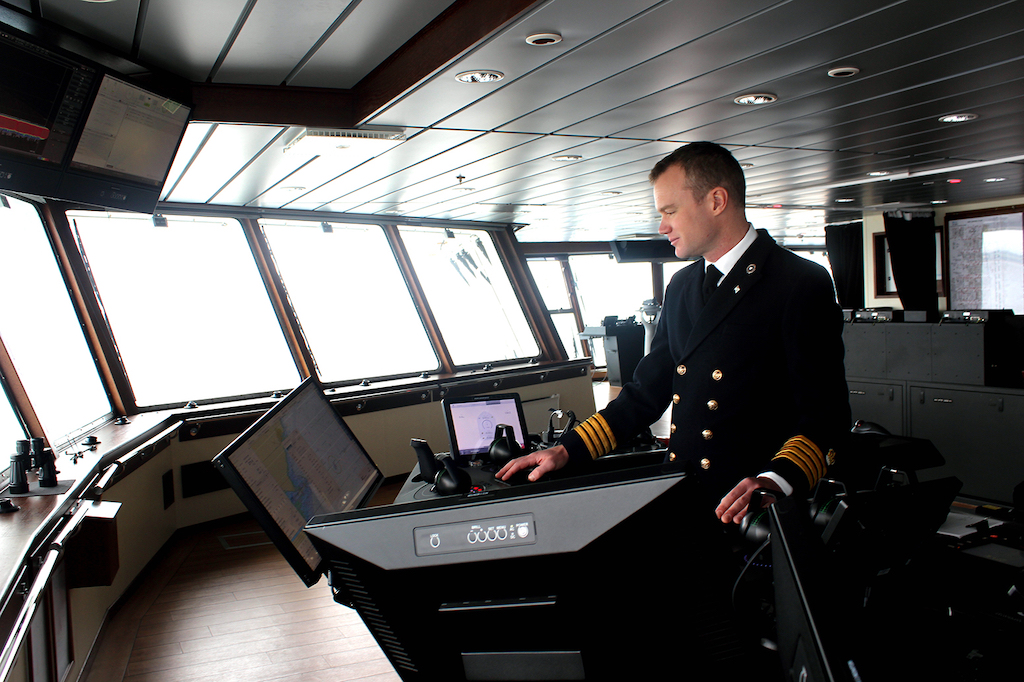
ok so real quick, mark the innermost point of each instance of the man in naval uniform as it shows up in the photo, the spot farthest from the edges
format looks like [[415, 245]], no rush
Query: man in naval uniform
[[754, 375]]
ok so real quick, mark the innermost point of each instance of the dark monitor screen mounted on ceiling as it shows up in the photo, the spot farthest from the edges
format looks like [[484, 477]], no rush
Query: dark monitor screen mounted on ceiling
[[70, 130]]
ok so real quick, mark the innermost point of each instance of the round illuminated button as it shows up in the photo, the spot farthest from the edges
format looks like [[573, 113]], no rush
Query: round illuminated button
[[523, 530]]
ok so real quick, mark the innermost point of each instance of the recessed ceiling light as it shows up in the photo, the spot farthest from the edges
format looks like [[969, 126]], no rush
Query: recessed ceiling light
[[878, 174], [843, 71], [755, 98], [479, 76], [958, 118], [939, 201], [543, 39], [844, 200], [995, 179], [567, 157]]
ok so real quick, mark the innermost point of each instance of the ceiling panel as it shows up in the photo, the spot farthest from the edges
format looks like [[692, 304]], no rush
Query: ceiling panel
[[733, 42], [249, 60], [111, 23], [435, 102], [877, 44], [424, 145], [449, 163], [369, 34], [225, 153], [187, 36]]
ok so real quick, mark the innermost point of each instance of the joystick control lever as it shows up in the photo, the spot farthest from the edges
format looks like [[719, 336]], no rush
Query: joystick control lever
[[429, 466]]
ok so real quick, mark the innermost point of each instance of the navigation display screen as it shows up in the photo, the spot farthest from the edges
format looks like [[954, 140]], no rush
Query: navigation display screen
[[299, 460], [472, 422]]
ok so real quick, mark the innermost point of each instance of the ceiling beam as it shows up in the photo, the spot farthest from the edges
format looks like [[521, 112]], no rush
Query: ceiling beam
[[273, 104], [455, 31]]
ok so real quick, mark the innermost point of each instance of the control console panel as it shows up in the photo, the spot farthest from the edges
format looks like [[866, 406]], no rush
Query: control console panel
[[468, 536]]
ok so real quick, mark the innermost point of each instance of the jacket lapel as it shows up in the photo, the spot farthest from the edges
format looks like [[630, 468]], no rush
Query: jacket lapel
[[743, 277]]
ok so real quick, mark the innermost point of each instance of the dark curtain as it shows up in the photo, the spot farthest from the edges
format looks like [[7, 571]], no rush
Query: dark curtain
[[845, 246], [911, 240]]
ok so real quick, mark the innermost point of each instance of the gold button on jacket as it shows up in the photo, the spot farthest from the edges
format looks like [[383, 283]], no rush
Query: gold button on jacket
[[712, 405], [705, 463], [676, 399], [681, 370], [707, 434], [717, 375]]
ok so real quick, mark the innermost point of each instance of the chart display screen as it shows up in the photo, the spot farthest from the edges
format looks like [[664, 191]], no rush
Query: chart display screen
[[298, 461]]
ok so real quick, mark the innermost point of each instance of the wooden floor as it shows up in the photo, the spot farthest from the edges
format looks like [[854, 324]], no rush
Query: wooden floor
[[224, 606]]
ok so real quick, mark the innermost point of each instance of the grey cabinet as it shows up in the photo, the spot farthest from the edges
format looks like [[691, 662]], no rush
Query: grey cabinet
[[979, 432], [881, 403]]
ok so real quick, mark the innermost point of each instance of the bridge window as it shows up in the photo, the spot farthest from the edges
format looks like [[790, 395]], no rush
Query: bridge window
[[186, 305], [41, 331], [470, 295], [550, 278], [351, 301]]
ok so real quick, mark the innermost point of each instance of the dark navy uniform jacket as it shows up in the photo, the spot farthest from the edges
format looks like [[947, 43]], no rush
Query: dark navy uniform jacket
[[755, 377]]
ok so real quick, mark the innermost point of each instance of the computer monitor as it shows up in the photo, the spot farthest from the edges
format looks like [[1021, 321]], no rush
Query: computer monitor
[[472, 421], [298, 461], [126, 147], [71, 129], [43, 97]]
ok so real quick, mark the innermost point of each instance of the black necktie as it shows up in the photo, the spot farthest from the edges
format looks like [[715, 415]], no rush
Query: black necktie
[[711, 277]]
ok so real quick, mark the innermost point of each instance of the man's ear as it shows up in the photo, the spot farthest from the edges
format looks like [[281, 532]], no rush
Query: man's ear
[[719, 199]]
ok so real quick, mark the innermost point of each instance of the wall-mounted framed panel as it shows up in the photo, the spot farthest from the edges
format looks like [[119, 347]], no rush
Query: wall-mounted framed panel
[[986, 259]]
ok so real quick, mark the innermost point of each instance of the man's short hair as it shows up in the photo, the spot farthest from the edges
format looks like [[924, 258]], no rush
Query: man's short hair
[[707, 165]]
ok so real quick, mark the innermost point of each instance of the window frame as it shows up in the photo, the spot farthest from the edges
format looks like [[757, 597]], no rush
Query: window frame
[[112, 371]]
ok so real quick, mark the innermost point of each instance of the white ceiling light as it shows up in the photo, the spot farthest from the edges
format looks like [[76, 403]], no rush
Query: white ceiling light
[[321, 141], [756, 98], [567, 157], [958, 118], [995, 179], [843, 72], [844, 200], [878, 174], [543, 39], [479, 76]]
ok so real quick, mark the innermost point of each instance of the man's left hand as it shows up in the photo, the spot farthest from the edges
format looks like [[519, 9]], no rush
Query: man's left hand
[[733, 506]]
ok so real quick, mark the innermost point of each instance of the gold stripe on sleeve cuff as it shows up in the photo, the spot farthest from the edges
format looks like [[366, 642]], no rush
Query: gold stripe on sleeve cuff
[[806, 455], [597, 436]]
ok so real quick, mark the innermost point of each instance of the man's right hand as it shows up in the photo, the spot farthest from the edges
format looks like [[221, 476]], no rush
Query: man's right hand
[[551, 459]]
